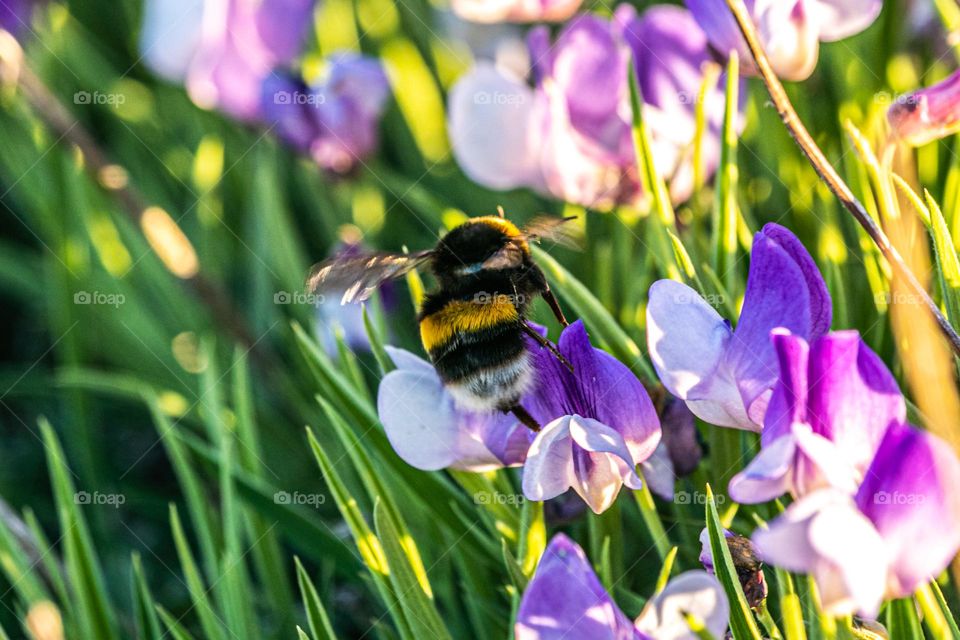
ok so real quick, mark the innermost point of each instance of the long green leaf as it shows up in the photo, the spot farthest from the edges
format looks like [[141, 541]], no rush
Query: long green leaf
[[742, 623]]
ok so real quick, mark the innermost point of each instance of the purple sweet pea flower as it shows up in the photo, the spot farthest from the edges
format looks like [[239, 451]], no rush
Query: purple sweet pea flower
[[15, 15], [570, 134], [224, 49], [490, 11], [725, 376], [599, 423], [900, 529], [927, 114], [829, 411], [565, 600], [429, 432], [790, 30], [336, 121]]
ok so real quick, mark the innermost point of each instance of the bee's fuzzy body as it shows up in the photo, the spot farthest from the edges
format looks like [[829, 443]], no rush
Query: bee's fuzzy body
[[473, 326]]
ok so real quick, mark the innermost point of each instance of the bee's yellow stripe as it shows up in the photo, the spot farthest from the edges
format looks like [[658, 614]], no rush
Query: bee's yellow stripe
[[459, 316]]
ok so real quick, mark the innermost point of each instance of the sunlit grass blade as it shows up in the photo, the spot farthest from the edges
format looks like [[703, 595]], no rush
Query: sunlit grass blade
[[368, 545], [83, 567], [174, 628], [742, 623], [664, 218], [725, 220], [422, 615], [317, 616], [665, 569], [145, 614], [651, 517], [210, 621], [384, 362], [377, 489], [902, 620], [533, 536]]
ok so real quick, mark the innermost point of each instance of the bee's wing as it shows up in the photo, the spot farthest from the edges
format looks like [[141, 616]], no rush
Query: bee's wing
[[359, 276], [552, 229]]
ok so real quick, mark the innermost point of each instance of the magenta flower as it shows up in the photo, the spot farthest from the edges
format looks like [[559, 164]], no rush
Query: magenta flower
[[927, 114], [900, 529], [834, 401], [224, 49], [790, 30], [336, 121], [489, 11], [726, 376], [599, 424], [569, 135], [565, 601]]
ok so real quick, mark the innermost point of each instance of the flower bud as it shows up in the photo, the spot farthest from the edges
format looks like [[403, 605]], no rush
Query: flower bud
[[927, 114]]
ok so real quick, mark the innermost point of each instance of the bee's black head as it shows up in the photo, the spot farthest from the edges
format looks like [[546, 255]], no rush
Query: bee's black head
[[462, 251]]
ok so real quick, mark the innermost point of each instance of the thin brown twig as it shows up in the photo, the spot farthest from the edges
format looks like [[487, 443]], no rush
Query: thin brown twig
[[828, 174]]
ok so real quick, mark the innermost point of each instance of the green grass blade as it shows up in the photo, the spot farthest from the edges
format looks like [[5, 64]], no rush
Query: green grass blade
[[83, 566], [317, 616], [145, 614], [742, 623], [421, 613], [210, 622], [902, 620], [725, 226]]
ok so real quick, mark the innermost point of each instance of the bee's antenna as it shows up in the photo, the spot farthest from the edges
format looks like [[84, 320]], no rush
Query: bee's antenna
[[500, 211]]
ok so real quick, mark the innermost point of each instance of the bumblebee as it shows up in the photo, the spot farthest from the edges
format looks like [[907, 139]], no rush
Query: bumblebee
[[474, 326]]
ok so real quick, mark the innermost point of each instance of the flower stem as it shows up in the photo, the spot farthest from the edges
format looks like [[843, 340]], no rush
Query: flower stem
[[651, 518], [827, 172]]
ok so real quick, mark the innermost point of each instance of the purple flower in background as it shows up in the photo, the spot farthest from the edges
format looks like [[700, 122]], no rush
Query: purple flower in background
[[790, 30], [828, 413], [489, 11], [15, 15], [429, 432], [336, 120], [598, 422], [726, 376], [570, 134], [224, 49], [927, 114], [565, 600], [900, 529]]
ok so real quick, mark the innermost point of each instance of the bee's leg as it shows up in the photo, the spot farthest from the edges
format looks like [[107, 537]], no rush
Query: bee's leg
[[554, 305], [524, 417], [543, 342]]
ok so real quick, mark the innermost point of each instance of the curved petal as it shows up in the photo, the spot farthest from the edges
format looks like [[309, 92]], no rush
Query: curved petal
[[910, 495], [686, 338], [768, 475], [841, 19], [853, 396], [605, 389], [822, 463], [484, 101], [549, 470], [565, 600], [826, 535], [852, 571], [788, 403], [694, 592], [790, 32], [169, 36], [424, 427], [821, 305], [602, 463], [719, 25], [658, 472], [777, 296]]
